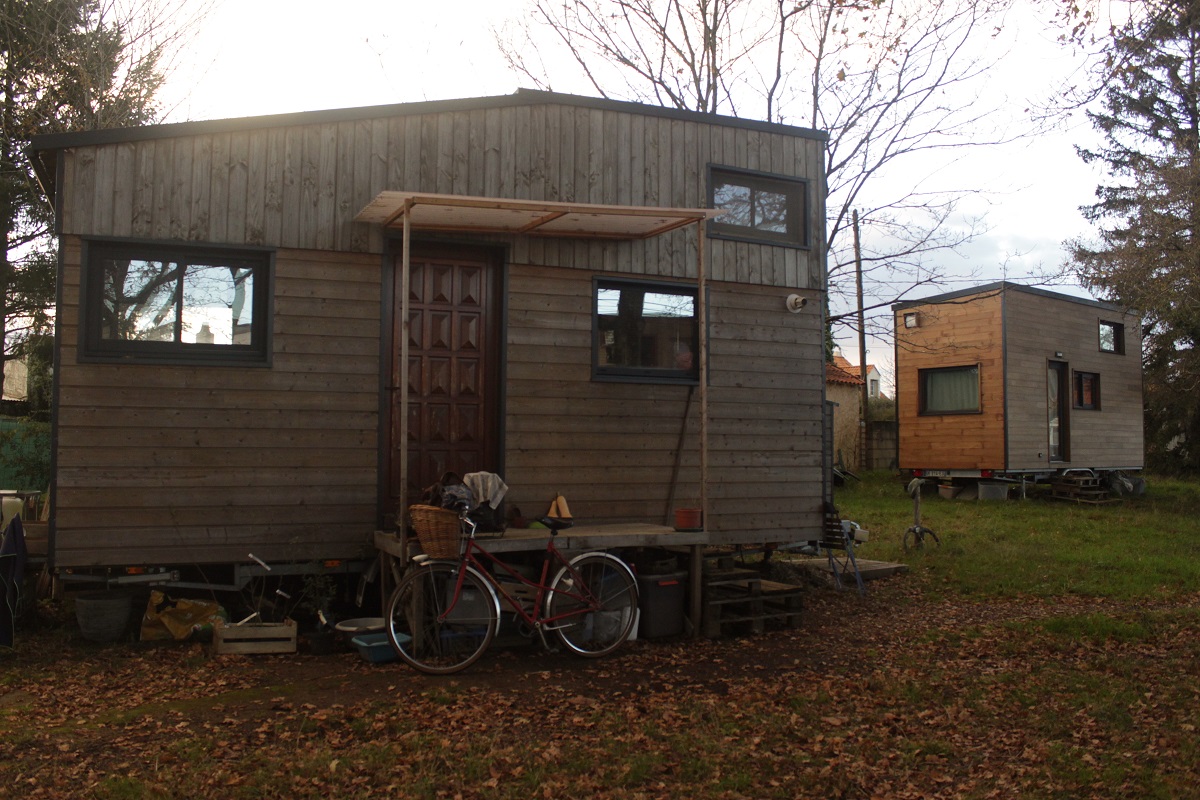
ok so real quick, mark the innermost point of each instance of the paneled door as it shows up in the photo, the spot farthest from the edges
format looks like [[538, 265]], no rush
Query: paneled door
[[453, 370]]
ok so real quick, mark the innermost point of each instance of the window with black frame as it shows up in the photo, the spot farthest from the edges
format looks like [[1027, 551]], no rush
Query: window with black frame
[[1086, 391], [949, 390], [645, 331], [176, 303], [1112, 337], [758, 207]]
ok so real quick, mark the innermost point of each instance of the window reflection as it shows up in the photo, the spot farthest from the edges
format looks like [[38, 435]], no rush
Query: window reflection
[[757, 206], [166, 301], [645, 331]]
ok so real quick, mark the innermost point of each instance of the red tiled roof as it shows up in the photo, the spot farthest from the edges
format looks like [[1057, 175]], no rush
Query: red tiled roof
[[837, 373]]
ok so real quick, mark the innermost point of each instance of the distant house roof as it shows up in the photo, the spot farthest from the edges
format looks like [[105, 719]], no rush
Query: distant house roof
[[999, 287], [842, 371]]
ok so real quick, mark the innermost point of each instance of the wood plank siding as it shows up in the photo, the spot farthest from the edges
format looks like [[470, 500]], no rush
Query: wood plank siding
[[193, 465], [1038, 329], [300, 187], [610, 448], [162, 464], [953, 334], [1014, 333]]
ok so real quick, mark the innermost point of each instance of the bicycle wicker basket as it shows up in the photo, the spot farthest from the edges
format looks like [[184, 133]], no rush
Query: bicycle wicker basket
[[437, 529]]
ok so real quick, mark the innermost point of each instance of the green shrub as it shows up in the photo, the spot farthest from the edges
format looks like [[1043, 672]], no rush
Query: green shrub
[[24, 454]]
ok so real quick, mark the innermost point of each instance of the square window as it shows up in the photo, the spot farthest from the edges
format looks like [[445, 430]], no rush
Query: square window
[[175, 303], [758, 207], [1112, 337], [645, 332], [949, 390], [1086, 391]]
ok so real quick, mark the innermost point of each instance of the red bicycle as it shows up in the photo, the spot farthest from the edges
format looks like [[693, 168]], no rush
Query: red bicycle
[[444, 613]]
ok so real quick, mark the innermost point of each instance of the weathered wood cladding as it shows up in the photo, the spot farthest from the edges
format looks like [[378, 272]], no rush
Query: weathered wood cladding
[[300, 185], [198, 464], [1040, 329], [611, 447], [962, 333], [202, 464]]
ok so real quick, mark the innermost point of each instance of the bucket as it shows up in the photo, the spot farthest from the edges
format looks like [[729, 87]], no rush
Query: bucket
[[993, 490], [103, 617], [687, 519]]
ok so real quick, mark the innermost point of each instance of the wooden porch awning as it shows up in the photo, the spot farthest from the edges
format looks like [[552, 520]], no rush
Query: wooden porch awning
[[459, 213], [413, 211]]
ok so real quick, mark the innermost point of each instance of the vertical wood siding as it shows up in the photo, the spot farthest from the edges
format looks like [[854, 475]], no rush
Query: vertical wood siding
[[610, 447], [169, 464], [1038, 328], [300, 187], [952, 335], [198, 464]]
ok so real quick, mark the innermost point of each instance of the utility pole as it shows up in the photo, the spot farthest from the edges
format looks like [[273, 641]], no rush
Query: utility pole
[[863, 438]]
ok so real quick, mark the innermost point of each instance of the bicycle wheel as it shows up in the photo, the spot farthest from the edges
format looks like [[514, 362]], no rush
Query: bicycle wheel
[[915, 538], [432, 631], [596, 598]]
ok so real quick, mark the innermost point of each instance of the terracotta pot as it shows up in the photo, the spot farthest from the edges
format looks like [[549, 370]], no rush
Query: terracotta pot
[[687, 519]]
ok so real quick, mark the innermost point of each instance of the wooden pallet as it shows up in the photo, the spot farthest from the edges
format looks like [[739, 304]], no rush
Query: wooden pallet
[[741, 602], [1080, 489], [254, 638], [783, 602]]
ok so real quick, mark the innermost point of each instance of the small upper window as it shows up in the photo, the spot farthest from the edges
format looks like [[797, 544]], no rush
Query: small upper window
[[646, 332], [1086, 391], [949, 390], [759, 207], [1112, 337], [175, 303]]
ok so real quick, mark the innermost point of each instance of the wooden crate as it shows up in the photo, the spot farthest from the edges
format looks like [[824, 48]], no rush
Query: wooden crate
[[254, 637]]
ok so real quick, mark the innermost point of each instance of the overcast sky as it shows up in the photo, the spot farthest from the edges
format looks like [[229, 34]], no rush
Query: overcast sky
[[280, 56]]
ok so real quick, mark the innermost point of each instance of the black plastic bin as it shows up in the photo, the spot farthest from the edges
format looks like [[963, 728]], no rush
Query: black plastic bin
[[661, 599]]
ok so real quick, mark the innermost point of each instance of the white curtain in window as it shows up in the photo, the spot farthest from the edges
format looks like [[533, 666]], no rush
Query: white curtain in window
[[948, 390]]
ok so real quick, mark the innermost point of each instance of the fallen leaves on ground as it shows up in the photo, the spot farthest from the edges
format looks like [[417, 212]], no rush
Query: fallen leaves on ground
[[888, 696]]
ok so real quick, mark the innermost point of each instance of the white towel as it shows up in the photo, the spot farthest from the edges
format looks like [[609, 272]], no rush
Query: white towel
[[486, 486]]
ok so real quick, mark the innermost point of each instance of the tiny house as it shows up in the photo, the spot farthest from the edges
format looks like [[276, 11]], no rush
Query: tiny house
[[273, 332], [1009, 380]]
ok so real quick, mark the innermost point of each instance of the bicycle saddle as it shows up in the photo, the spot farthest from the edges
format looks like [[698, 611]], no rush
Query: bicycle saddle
[[556, 524]]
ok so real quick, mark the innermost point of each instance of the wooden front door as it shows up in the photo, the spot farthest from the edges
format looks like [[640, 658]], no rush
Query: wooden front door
[[453, 370]]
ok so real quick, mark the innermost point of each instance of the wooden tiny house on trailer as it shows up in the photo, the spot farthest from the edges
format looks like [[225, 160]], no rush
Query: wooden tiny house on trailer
[[231, 374], [1008, 380]]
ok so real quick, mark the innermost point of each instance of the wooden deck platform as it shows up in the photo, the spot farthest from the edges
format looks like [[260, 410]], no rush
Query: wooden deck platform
[[868, 568], [577, 539]]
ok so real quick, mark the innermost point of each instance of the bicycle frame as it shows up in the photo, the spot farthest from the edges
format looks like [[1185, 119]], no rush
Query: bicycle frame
[[470, 558]]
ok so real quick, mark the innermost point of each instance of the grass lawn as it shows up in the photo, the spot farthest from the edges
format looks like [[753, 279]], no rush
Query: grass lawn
[[1142, 548], [1045, 650]]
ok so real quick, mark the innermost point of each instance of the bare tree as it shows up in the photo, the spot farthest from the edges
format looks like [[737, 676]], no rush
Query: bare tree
[[68, 65], [900, 86]]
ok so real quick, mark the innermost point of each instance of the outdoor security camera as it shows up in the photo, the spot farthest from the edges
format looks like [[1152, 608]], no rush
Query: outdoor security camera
[[795, 302]]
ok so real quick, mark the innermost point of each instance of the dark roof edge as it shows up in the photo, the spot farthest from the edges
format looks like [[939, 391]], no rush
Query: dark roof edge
[[522, 97], [1008, 286]]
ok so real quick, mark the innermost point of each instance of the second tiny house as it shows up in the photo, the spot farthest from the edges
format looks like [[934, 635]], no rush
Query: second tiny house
[[1004, 380]]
